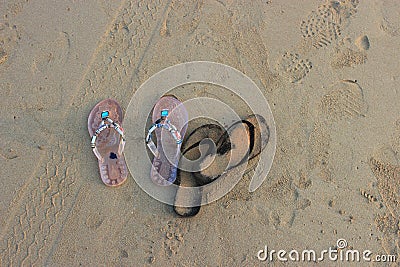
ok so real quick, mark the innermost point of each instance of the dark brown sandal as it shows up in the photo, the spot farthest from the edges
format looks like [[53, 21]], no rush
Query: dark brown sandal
[[242, 141], [192, 151]]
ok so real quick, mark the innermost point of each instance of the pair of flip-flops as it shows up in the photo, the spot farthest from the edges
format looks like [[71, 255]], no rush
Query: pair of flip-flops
[[108, 140], [210, 150]]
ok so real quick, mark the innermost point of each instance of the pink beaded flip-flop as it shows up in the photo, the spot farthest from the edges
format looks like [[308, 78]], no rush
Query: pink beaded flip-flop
[[104, 125], [170, 120]]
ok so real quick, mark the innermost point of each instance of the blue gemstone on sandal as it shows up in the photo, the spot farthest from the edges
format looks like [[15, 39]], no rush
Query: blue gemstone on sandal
[[105, 115], [164, 113]]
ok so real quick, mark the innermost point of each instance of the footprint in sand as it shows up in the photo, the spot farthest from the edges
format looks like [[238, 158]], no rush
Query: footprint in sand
[[323, 26], [345, 100], [347, 58], [293, 67], [328, 159], [388, 183], [338, 11], [388, 177], [362, 43], [318, 31], [385, 165], [284, 201]]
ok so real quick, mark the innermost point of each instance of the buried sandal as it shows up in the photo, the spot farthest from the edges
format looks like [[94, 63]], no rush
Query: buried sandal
[[198, 144], [170, 119], [242, 141], [104, 125]]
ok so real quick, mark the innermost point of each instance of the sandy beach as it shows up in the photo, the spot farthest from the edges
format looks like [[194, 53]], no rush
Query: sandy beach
[[328, 69]]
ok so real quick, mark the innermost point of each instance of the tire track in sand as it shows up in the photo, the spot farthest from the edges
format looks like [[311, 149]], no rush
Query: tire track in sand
[[42, 206], [39, 203]]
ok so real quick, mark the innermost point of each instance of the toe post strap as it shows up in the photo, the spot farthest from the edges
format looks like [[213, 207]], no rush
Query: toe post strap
[[165, 123], [106, 123]]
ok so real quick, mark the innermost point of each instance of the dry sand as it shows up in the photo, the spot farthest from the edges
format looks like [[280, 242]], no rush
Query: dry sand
[[329, 69]]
